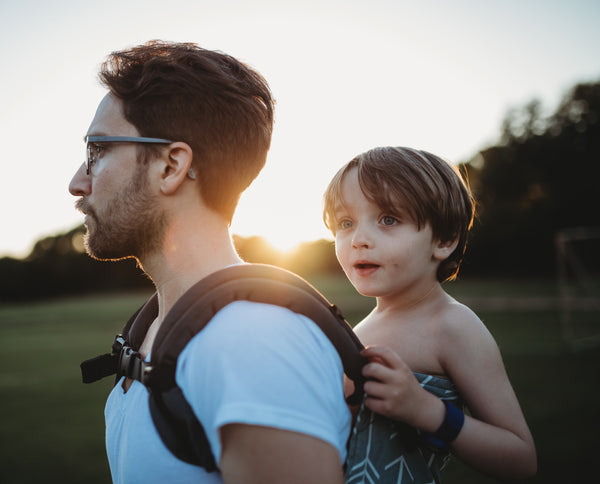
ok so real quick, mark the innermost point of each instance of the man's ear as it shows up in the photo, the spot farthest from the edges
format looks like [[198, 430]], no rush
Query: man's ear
[[177, 166], [443, 249]]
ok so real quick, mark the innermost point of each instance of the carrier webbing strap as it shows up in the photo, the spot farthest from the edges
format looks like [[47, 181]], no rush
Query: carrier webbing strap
[[99, 367], [136, 328]]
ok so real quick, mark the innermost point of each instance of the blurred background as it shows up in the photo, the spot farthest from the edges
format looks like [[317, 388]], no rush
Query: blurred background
[[509, 91]]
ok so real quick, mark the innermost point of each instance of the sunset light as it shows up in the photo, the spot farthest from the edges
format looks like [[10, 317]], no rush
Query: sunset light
[[347, 76]]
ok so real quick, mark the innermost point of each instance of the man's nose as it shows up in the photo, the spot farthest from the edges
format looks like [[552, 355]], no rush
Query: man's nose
[[80, 183]]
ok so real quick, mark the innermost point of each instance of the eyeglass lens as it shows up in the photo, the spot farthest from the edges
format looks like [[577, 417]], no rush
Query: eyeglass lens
[[89, 159]]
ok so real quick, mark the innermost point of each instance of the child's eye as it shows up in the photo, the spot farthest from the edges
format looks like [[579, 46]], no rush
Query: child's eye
[[388, 220], [344, 224]]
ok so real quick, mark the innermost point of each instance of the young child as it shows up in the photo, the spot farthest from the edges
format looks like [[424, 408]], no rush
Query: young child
[[400, 218]]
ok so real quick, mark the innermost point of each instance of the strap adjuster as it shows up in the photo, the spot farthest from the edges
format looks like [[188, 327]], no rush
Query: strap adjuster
[[131, 365]]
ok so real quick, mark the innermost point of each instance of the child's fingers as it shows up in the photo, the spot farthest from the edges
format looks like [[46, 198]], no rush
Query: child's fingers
[[377, 371], [380, 406], [376, 390], [383, 399]]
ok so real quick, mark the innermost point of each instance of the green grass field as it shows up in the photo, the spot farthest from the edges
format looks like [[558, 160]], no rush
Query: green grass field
[[52, 425]]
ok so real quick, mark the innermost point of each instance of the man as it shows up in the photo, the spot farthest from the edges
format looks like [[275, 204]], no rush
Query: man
[[180, 134]]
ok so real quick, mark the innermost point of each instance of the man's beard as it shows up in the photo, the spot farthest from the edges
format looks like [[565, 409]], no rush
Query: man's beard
[[130, 226]]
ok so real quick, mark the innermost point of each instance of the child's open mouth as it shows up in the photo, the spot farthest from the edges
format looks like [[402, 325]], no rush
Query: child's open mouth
[[366, 265]]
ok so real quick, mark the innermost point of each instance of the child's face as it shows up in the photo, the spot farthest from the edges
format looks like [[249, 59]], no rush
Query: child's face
[[382, 254]]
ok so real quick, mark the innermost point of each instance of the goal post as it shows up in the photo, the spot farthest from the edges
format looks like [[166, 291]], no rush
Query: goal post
[[578, 260]]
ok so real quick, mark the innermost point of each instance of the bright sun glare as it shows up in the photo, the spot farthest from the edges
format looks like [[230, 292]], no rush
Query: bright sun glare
[[356, 82], [283, 242]]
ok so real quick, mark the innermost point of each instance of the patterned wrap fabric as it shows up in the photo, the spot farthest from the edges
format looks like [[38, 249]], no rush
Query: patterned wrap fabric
[[383, 451]]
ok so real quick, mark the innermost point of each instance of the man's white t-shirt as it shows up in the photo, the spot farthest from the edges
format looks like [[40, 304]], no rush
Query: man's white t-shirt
[[255, 364]]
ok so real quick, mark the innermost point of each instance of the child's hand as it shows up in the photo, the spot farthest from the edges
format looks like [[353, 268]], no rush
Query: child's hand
[[393, 391]]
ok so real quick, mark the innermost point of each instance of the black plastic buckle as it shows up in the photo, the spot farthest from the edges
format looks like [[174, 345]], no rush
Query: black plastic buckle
[[131, 365], [118, 343]]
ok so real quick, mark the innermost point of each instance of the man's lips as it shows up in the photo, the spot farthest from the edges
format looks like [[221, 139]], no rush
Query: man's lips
[[82, 206], [85, 209]]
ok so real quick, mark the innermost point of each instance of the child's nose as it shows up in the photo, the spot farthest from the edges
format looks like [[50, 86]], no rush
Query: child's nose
[[361, 238]]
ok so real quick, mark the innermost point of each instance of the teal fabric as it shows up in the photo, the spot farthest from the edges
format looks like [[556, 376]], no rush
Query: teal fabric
[[384, 451]]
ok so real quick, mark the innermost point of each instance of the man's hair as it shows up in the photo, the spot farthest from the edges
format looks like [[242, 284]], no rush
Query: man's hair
[[424, 186], [216, 104]]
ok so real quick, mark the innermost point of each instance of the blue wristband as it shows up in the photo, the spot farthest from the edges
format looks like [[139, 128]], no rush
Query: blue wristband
[[450, 428]]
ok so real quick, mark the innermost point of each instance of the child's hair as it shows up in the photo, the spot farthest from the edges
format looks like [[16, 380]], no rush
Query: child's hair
[[422, 185]]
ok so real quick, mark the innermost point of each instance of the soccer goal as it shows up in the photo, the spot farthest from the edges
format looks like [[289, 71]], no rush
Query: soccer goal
[[578, 257]]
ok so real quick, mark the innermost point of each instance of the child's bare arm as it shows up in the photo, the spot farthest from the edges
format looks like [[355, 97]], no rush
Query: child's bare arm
[[496, 439]]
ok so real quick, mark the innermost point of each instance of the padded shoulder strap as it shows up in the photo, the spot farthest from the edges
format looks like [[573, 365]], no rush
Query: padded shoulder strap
[[173, 417], [252, 282], [136, 328]]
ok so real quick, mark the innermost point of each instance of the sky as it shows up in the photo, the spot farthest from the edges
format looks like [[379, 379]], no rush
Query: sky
[[347, 75]]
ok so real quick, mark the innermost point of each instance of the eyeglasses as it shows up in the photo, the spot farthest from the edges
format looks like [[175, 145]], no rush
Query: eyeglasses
[[94, 146]]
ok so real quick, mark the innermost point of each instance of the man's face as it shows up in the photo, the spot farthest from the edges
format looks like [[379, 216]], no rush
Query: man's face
[[123, 217]]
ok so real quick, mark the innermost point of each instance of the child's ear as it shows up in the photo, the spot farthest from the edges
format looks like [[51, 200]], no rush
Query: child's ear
[[443, 249], [177, 166]]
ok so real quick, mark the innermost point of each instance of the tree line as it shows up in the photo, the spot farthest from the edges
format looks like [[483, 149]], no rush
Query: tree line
[[539, 178]]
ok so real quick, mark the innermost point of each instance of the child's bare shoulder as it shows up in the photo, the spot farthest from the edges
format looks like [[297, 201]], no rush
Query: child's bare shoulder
[[466, 342], [462, 325], [372, 330]]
